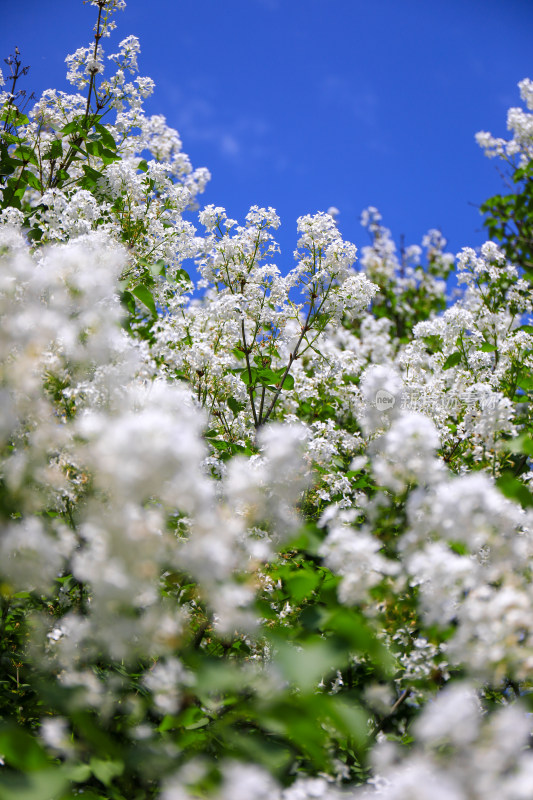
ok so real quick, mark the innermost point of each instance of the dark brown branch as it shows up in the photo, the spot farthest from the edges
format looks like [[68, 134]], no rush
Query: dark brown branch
[[250, 387], [402, 698]]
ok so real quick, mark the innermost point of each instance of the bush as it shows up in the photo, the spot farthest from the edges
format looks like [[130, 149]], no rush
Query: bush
[[263, 535]]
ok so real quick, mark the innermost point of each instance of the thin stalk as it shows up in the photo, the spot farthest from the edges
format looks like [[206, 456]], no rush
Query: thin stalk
[[199, 635], [81, 586], [402, 698], [263, 393], [450, 455], [293, 356], [14, 77], [77, 142], [97, 37], [250, 388], [5, 611]]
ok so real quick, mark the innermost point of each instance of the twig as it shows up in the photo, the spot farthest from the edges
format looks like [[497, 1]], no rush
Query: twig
[[5, 611], [250, 388], [75, 143], [404, 695], [293, 356], [199, 635]]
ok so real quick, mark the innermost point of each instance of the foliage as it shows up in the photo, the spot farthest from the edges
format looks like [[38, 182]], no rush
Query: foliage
[[271, 538], [509, 217]]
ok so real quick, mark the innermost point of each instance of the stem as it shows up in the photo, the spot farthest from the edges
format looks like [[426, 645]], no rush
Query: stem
[[404, 695], [293, 356], [520, 464], [68, 506], [23, 167], [5, 611], [81, 587], [97, 37], [449, 456], [250, 388], [15, 75], [75, 143], [263, 393], [199, 635]]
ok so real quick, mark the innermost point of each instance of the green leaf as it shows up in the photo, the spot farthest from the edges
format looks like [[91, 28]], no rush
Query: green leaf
[[262, 361], [35, 235], [13, 116], [169, 723], [302, 583], [143, 166], [218, 444], [525, 382], [157, 268], [249, 376], [55, 152], [145, 296], [183, 276], [522, 444], [350, 626], [9, 165], [235, 406], [71, 127], [63, 175], [267, 377], [514, 489], [487, 347], [42, 785], [21, 750], [288, 383], [308, 540], [32, 180], [350, 717], [79, 773], [95, 148], [93, 174], [452, 360], [106, 770], [459, 547], [306, 666], [8, 138], [200, 724], [26, 154], [433, 342], [217, 676], [108, 156], [106, 136]]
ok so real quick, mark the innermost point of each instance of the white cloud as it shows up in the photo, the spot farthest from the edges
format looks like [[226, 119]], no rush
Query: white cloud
[[200, 119]]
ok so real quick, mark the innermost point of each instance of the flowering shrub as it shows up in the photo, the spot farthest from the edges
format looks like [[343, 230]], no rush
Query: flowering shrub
[[263, 535]]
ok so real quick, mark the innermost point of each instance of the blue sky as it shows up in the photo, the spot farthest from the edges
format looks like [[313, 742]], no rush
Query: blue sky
[[305, 104]]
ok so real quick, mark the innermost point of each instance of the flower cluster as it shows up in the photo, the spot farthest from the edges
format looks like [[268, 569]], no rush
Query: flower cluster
[[267, 532]]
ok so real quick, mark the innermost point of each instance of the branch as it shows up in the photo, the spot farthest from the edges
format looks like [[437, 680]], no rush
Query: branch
[[250, 388], [404, 695], [293, 356]]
